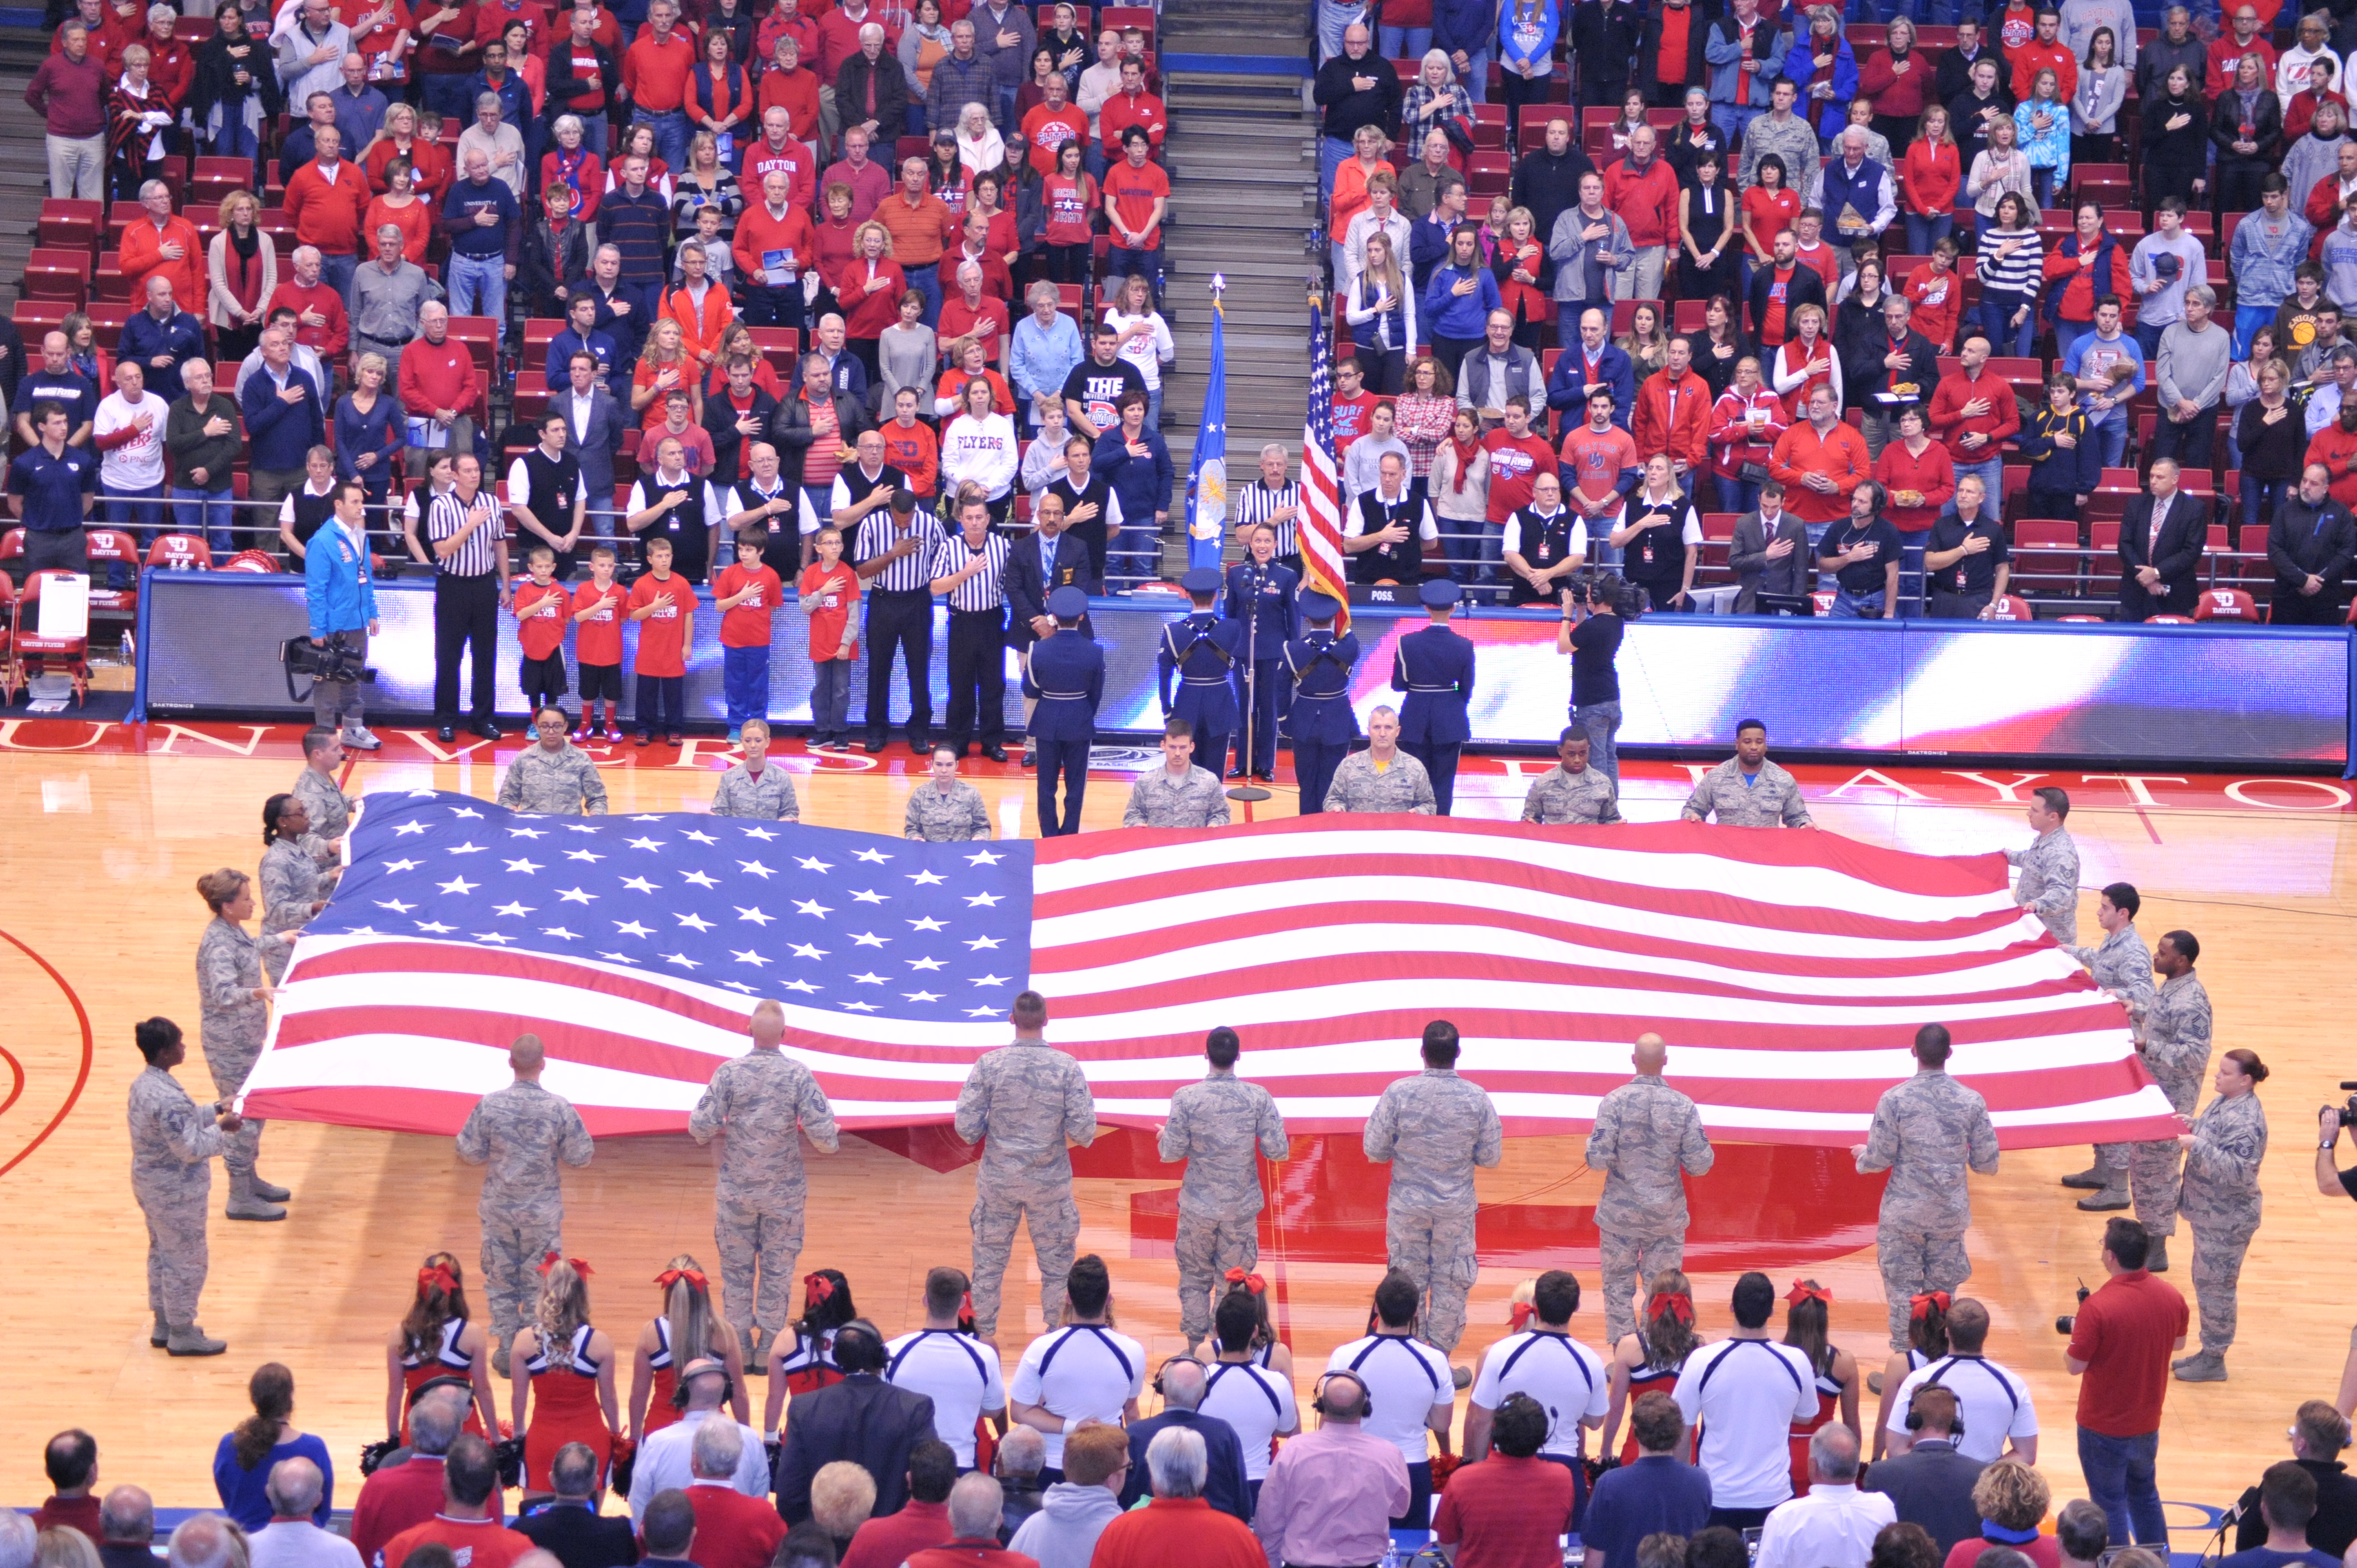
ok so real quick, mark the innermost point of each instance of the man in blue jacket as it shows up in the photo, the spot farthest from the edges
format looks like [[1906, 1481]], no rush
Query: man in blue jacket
[[1435, 668], [1593, 361], [283, 422], [1466, 32], [1135, 462], [160, 338], [341, 598], [1066, 678]]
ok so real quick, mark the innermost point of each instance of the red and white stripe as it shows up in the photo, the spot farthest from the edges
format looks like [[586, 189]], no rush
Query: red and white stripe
[[1788, 971], [1320, 529]]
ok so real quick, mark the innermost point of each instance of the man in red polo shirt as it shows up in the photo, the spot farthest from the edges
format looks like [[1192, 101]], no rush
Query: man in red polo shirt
[[2120, 1346], [1643, 190], [468, 1523], [656, 72], [732, 1530], [889, 1541], [327, 199], [400, 1495], [438, 384], [320, 322], [1513, 1506], [974, 1504], [1820, 460]]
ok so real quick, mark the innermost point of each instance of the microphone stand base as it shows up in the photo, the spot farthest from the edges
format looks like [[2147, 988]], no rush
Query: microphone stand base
[[1248, 792]]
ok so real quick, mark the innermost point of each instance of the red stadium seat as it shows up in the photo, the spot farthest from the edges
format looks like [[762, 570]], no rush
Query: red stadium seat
[[2169, 620], [180, 553], [2227, 604], [112, 545], [33, 654], [260, 561], [2013, 607], [1821, 603]]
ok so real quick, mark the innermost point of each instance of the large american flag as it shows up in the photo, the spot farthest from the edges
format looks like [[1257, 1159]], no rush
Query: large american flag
[[1321, 528], [1787, 969]]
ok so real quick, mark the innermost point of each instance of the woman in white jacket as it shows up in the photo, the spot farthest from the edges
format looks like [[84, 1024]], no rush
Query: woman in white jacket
[[978, 447], [1145, 338]]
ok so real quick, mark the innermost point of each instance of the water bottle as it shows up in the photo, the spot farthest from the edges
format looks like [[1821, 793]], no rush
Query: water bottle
[[129, 652]]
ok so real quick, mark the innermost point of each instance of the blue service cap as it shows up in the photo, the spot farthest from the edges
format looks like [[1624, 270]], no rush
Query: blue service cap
[[1316, 605], [1437, 592], [1202, 580], [1067, 603]]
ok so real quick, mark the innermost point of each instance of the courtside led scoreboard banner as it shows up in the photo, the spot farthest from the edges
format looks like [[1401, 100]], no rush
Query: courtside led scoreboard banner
[[2177, 694]]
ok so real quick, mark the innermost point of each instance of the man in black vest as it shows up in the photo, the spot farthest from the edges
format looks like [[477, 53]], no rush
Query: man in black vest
[[1385, 534], [545, 493], [1091, 512], [669, 504], [1545, 543]]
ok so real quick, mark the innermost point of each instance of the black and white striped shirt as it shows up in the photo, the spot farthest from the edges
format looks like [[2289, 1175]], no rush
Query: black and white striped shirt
[[447, 518], [982, 591], [912, 573], [1257, 502]]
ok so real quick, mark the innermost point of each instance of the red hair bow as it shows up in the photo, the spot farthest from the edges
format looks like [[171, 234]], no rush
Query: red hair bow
[[671, 1277], [816, 1289], [1251, 1283], [550, 1262], [1919, 1308], [1677, 1308], [1517, 1315], [438, 1277], [1802, 1291]]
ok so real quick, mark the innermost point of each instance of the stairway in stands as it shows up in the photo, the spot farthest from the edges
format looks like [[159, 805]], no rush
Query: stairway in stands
[[1243, 176], [23, 156]]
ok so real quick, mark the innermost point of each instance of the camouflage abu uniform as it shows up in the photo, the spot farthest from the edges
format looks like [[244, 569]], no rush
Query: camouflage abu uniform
[[521, 1131], [1218, 1125], [1159, 801], [330, 808], [2122, 966], [1021, 1103], [2049, 883], [1432, 1129], [2221, 1203], [1560, 798], [2177, 1054], [1927, 1131], [957, 817], [769, 797], [563, 783], [290, 883], [233, 1023], [1772, 797], [1403, 786], [1646, 1133], [760, 1100], [171, 1140]]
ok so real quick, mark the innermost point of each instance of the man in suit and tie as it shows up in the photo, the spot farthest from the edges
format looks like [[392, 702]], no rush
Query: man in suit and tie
[[863, 1419], [1770, 551], [1260, 596], [1435, 668], [1037, 567], [1932, 1484], [1064, 680], [594, 424], [2162, 539]]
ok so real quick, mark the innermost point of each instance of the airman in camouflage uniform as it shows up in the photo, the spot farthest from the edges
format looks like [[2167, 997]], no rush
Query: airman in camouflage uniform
[[1021, 1103], [1572, 793], [521, 1131], [1646, 1133], [2123, 967], [2177, 1053], [753, 787], [1927, 1131], [1218, 1125], [1433, 1130], [756, 1104], [1747, 790], [2049, 883], [1190, 797], [293, 885], [2221, 1202], [233, 1023], [1382, 777], [946, 811], [171, 1140], [316, 787], [552, 776]]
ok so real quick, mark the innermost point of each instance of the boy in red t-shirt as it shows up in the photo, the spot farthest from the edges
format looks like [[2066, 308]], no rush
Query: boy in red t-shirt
[[746, 594], [910, 445], [598, 645], [540, 611], [829, 592], [1351, 404], [663, 603]]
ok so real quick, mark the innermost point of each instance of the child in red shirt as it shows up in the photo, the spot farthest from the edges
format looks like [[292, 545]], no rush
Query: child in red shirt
[[910, 445], [829, 592], [598, 645], [663, 603], [540, 611], [1937, 291], [746, 594], [1352, 403]]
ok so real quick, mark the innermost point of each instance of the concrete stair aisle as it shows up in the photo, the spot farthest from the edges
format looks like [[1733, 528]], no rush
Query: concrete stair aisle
[[24, 157], [1244, 175]]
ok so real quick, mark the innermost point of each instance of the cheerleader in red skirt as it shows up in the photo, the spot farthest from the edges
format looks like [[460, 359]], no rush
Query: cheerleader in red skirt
[[801, 1358], [437, 1340], [688, 1330], [1650, 1360], [564, 1377], [1808, 1319], [1927, 1341]]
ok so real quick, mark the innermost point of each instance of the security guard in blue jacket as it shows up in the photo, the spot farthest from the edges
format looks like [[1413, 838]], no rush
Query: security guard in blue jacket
[[1203, 651], [1319, 664], [1435, 668], [1067, 677], [1261, 599]]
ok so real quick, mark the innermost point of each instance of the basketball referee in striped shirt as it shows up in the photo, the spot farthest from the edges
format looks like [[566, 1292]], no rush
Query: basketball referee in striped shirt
[[470, 590], [970, 568], [1276, 500], [894, 555]]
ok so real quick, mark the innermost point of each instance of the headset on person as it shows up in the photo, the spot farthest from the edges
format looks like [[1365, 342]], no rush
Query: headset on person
[[1915, 1416], [1177, 1361], [1366, 1395]]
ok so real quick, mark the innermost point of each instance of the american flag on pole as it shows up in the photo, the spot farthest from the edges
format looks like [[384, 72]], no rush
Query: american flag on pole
[[1322, 520], [1787, 969]]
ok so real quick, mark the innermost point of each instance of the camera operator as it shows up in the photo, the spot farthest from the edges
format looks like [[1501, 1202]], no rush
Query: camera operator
[[2120, 1345], [2333, 1182], [341, 598], [1591, 631]]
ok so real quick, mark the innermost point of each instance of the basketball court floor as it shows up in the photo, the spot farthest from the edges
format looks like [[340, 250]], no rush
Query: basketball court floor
[[111, 825]]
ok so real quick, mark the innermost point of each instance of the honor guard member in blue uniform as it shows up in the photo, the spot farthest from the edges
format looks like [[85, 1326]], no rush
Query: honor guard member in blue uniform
[[1319, 664], [1203, 650], [1260, 599], [1067, 677], [1435, 668]]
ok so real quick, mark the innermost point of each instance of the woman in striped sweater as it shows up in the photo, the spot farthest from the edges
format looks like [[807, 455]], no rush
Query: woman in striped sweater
[[2012, 259]]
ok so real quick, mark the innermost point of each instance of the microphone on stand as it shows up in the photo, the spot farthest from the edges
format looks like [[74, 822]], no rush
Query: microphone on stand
[[1247, 789]]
